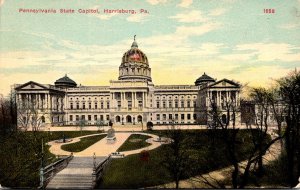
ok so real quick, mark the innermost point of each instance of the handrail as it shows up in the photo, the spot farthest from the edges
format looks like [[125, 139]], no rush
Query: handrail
[[49, 171], [99, 169]]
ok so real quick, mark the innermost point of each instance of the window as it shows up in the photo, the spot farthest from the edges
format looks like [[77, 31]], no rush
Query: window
[[77, 117], [176, 116], [71, 105], [157, 117], [89, 117], [101, 117], [182, 116], [170, 104], [83, 105], [77, 105], [102, 105], [71, 117], [107, 105], [194, 102], [176, 104], [90, 105], [83, 117], [164, 104], [188, 116], [95, 117], [188, 103], [170, 116], [195, 116], [96, 105], [182, 104], [107, 117], [157, 104], [164, 116]]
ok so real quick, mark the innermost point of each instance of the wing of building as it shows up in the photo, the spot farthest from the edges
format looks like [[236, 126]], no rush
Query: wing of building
[[131, 99]]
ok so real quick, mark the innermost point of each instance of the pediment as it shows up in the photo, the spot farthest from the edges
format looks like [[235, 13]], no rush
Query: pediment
[[225, 83], [31, 86]]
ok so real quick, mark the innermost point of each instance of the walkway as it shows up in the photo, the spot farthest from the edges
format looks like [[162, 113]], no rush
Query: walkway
[[77, 175], [222, 174]]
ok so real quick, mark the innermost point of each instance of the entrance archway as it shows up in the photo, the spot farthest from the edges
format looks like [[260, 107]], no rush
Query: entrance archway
[[118, 119], [139, 118], [128, 119]]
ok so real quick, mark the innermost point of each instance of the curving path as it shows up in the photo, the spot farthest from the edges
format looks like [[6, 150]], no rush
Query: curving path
[[102, 148]]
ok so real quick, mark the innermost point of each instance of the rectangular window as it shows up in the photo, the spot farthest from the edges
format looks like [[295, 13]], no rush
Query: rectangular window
[[195, 116], [157, 104], [188, 104], [96, 105], [194, 104], [164, 104], [77, 117], [101, 117], [157, 117], [188, 116], [170, 116], [107, 117], [182, 116], [89, 117], [95, 117], [182, 104], [164, 116], [176, 116], [176, 104], [90, 105], [83, 105], [77, 105], [170, 104], [102, 105], [71, 105], [71, 117], [83, 117], [107, 105]]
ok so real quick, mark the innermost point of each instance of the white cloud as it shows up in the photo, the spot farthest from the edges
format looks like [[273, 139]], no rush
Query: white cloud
[[289, 26], [137, 18], [217, 12], [272, 51], [185, 3], [186, 31], [155, 2], [191, 16]]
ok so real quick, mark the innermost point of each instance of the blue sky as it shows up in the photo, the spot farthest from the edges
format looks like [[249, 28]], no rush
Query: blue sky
[[231, 39]]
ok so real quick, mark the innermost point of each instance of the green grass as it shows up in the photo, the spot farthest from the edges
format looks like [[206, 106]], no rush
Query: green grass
[[206, 154], [129, 144], [83, 143]]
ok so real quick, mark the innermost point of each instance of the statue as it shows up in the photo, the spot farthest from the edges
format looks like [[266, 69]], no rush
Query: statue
[[111, 138]]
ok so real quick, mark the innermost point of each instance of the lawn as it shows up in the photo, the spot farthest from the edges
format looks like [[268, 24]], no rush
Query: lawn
[[206, 154], [84, 143], [135, 141]]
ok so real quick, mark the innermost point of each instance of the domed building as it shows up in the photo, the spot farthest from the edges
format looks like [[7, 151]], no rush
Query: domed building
[[132, 99], [65, 82]]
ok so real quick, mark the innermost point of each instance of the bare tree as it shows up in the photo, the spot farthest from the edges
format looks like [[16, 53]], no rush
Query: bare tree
[[175, 156], [290, 93]]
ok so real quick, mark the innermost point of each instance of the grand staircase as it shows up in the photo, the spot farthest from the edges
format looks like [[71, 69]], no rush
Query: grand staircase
[[77, 175]]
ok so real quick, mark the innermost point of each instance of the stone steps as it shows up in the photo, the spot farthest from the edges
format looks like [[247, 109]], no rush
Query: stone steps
[[77, 175]]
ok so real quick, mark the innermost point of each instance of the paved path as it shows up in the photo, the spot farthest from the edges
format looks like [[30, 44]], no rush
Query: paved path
[[219, 175], [102, 148]]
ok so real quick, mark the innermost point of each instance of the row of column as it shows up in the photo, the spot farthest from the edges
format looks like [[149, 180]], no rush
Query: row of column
[[124, 101], [48, 101], [219, 96]]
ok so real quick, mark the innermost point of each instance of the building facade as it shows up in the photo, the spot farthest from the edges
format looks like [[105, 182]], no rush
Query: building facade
[[131, 99]]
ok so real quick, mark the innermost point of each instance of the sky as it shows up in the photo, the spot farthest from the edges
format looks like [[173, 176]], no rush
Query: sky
[[182, 39]]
